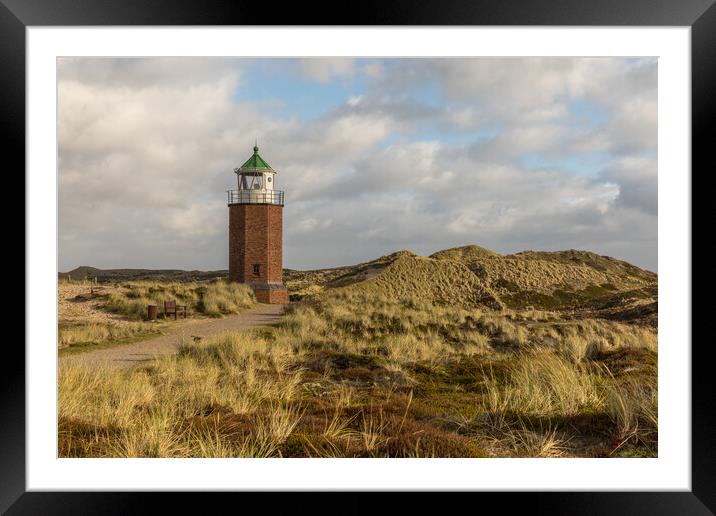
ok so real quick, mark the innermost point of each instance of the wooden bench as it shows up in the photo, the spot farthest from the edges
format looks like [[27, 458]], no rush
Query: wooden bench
[[171, 307]]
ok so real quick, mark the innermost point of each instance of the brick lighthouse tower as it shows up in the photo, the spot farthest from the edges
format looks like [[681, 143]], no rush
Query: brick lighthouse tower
[[256, 231]]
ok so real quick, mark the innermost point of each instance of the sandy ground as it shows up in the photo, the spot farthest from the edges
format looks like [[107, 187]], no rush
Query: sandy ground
[[131, 354], [74, 304]]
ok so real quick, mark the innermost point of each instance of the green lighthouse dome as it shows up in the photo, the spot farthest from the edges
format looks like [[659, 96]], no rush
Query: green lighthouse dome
[[256, 162]]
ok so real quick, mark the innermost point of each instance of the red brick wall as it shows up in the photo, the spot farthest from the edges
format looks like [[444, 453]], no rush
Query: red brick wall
[[256, 237], [237, 239], [271, 296], [275, 243]]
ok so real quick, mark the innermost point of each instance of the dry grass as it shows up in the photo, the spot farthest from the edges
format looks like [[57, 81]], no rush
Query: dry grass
[[546, 275], [544, 384], [308, 283], [527, 441], [468, 253], [463, 354], [403, 331], [92, 316], [229, 396], [547, 271], [355, 373], [536, 283], [446, 282], [561, 280], [584, 340], [214, 298], [634, 409], [97, 333]]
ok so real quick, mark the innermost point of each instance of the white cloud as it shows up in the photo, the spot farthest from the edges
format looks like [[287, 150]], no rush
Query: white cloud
[[637, 180], [524, 97], [138, 73], [326, 68], [147, 146]]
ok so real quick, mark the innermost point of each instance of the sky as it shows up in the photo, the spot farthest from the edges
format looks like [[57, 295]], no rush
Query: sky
[[375, 156]]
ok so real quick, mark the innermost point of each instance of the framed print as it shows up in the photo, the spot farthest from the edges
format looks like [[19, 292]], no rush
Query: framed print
[[423, 253]]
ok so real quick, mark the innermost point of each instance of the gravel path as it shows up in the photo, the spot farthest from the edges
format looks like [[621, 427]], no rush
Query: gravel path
[[131, 354]]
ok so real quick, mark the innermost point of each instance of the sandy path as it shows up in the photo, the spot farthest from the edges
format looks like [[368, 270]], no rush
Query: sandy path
[[131, 354]]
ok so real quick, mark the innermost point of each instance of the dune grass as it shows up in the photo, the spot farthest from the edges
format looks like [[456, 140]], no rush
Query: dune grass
[[543, 384], [356, 374], [75, 336], [130, 299], [433, 281], [214, 298], [230, 396]]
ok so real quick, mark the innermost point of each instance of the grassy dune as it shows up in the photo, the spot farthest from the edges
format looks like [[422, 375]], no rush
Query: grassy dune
[[466, 353], [92, 316], [434, 281], [468, 253], [363, 375], [229, 397], [566, 281], [215, 298], [77, 336]]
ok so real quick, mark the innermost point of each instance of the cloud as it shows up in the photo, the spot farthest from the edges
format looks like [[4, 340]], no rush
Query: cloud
[[526, 97], [417, 153], [637, 180], [138, 73], [139, 157], [326, 68]]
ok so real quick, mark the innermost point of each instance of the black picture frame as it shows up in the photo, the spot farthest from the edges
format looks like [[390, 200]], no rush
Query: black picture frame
[[700, 15]]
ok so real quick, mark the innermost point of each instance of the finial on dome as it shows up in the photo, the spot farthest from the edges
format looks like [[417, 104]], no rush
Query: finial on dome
[[256, 145]]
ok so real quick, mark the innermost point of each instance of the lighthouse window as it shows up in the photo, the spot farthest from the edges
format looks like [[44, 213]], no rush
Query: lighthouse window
[[251, 182], [257, 269]]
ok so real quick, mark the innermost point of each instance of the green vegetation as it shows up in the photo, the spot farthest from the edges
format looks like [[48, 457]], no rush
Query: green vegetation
[[214, 298]]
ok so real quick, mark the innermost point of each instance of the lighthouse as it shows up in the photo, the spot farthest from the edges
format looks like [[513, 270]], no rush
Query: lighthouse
[[256, 231]]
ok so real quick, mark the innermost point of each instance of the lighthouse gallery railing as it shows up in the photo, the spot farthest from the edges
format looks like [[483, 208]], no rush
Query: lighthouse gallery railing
[[255, 197]]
